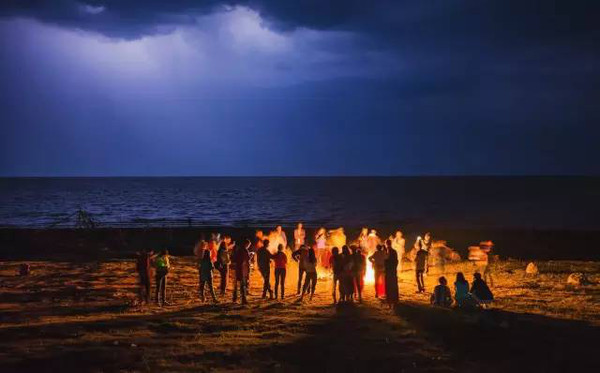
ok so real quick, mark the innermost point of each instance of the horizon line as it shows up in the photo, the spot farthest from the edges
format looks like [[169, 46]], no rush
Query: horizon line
[[287, 176]]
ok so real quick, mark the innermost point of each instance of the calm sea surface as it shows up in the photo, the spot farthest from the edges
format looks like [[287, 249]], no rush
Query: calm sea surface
[[462, 202]]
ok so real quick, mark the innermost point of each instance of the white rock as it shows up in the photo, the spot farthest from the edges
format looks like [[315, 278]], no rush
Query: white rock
[[531, 269]]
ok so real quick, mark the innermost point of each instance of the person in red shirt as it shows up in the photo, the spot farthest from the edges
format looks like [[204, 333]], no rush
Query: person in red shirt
[[280, 260]]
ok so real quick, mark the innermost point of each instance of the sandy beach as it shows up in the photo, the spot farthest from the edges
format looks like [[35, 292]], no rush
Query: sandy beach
[[82, 315]]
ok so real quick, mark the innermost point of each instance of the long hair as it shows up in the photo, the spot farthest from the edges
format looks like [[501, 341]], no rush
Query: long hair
[[460, 278]]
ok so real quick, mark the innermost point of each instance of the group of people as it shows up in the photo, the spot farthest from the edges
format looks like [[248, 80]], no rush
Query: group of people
[[347, 263], [478, 295]]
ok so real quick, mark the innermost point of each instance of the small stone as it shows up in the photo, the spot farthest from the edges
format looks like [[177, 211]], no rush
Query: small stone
[[532, 269]]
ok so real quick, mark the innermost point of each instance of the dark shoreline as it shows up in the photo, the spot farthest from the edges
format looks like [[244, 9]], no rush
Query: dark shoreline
[[115, 243]]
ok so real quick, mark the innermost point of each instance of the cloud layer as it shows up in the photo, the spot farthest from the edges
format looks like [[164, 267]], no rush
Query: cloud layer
[[298, 87]]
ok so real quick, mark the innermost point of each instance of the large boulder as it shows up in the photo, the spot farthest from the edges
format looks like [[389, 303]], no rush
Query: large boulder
[[532, 269], [577, 279]]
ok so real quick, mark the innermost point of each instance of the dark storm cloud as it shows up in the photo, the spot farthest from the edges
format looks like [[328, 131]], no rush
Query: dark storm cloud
[[498, 21], [434, 87]]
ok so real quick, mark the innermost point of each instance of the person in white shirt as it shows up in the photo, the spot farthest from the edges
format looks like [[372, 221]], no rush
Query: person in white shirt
[[398, 244], [299, 236], [282, 236]]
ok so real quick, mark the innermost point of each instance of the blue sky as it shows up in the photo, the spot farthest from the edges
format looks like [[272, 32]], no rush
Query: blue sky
[[114, 88]]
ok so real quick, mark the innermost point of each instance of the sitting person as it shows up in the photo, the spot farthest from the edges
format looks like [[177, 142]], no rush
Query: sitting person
[[480, 290], [463, 298], [441, 294]]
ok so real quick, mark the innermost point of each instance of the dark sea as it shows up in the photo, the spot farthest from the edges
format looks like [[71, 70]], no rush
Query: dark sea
[[453, 202]]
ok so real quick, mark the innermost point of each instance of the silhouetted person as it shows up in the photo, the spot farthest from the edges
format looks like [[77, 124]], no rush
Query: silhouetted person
[[358, 271], [206, 276], [263, 260], [144, 271], [480, 290], [280, 260], [222, 264], [300, 256], [336, 266], [391, 275], [378, 260], [441, 294], [346, 283], [310, 266], [162, 264], [421, 266], [241, 263], [424, 243]]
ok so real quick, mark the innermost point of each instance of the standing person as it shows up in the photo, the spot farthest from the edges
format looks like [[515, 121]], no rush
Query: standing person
[[310, 281], [391, 275], [488, 261], [399, 243], [321, 243], [222, 264], [362, 240], [263, 260], [299, 236], [378, 260], [199, 249], [163, 265], [373, 240], [241, 265], [282, 236], [421, 266], [280, 260], [346, 282], [441, 295], [213, 246], [424, 243], [206, 278], [300, 256], [358, 271], [336, 266], [144, 271]]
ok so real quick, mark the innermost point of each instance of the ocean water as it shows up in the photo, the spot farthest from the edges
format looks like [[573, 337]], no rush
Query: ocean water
[[461, 202]]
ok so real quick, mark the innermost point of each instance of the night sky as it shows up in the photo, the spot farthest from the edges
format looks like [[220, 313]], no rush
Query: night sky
[[316, 87]]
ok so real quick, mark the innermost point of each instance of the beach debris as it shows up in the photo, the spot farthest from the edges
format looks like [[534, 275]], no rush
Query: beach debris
[[84, 220], [24, 269], [577, 279], [532, 269], [336, 237], [479, 255], [440, 251]]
